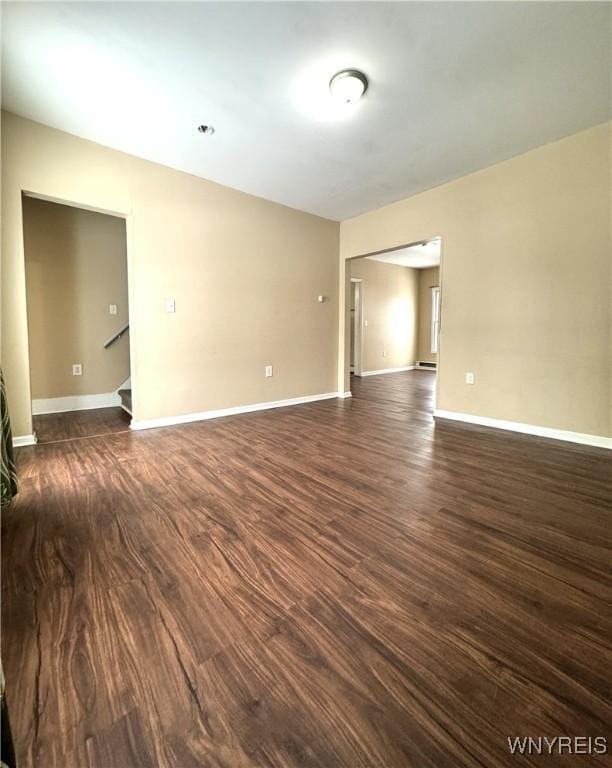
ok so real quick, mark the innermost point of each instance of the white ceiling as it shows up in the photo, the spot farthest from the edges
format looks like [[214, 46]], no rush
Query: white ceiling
[[454, 87], [418, 256]]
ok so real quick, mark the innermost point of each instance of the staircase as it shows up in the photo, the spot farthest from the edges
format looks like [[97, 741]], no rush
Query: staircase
[[125, 391], [126, 399]]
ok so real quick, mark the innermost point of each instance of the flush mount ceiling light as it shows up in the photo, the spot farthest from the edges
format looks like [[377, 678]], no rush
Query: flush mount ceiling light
[[348, 86], [322, 97], [207, 130]]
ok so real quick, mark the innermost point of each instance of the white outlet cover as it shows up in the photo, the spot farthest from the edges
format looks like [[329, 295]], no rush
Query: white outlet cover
[[112, 309], [469, 378], [268, 371], [170, 306], [77, 369]]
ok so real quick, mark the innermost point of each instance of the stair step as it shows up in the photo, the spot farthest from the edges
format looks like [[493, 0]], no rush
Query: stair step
[[126, 399]]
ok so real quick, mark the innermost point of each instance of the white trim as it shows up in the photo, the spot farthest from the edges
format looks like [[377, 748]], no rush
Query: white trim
[[529, 429], [74, 204], [186, 418], [19, 442], [127, 384], [435, 319], [388, 370], [74, 403], [357, 321], [345, 394]]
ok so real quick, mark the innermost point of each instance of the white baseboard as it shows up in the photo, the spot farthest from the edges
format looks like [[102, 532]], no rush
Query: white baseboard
[[168, 421], [388, 370], [345, 394], [598, 441], [21, 440], [74, 403]]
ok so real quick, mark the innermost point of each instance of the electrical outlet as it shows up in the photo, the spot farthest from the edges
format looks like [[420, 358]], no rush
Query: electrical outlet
[[469, 378], [170, 306], [268, 371], [112, 309], [385, 353], [77, 369]]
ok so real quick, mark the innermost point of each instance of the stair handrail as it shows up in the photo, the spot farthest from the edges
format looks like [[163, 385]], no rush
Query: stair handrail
[[109, 342]]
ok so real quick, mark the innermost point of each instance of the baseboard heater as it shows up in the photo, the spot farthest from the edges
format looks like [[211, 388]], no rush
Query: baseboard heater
[[426, 365]]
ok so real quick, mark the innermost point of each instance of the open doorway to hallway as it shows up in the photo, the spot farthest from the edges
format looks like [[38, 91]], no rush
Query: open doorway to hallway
[[78, 320], [395, 311], [356, 330]]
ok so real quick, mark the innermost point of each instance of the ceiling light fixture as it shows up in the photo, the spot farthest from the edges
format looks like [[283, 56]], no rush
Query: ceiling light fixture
[[208, 130], [348, 86]]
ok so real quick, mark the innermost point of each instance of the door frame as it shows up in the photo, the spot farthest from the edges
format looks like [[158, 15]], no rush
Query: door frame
[[344, 312], [129, 242], [358, 324]]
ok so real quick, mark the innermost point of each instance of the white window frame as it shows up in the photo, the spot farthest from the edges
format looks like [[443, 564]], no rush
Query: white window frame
[[435, 318]]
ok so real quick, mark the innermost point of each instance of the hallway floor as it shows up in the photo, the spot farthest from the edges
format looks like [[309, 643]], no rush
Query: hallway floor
[[52, 427], [342, 583]]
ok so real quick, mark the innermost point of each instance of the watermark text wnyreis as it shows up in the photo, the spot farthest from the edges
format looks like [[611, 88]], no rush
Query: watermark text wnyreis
[[557, 745]]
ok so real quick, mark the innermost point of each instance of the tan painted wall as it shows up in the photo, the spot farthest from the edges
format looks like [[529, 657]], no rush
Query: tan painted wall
[[428, 278], [76, 266], [245, 274], [390, 307], [525, 279]]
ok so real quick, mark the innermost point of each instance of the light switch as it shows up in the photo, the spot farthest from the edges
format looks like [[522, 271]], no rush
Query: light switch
[[268, 371], [112, 309], [170, 306]]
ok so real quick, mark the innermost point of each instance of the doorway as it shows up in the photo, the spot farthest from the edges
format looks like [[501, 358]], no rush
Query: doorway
[[356, 332], [78, 320], [397, 330]]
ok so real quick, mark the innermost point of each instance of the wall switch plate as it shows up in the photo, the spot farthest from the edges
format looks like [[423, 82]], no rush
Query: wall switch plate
[[170, 306], [469, 378], [385, 353], [77, 369], [112, 309], [268, 371]]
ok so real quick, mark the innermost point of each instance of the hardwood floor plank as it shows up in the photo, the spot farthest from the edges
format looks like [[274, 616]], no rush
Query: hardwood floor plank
[[344, 583], [53, 427]]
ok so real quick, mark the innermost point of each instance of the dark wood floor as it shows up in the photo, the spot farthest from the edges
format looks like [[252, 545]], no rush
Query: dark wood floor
[[334, 584], [51, 427]]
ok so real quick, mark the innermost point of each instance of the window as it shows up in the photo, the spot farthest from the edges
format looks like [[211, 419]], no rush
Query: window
[[435, 318]]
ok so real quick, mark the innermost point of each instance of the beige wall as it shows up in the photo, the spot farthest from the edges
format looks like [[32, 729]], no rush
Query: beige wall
[[525, 280], [390, 308], [76, 266], [245, 274], [428, 278]]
